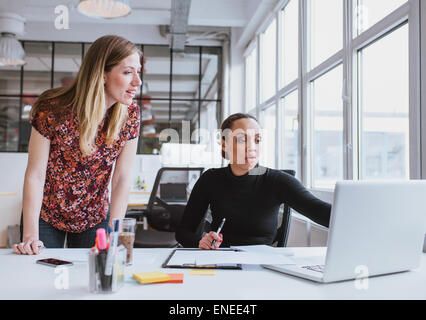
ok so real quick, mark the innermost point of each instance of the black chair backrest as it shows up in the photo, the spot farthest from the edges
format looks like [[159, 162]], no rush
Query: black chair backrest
[[153, 195], [282, 231], [173, 192], [164, 216]]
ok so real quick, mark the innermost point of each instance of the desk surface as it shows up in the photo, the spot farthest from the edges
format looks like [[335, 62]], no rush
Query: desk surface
[[22, 278], [138, 199]]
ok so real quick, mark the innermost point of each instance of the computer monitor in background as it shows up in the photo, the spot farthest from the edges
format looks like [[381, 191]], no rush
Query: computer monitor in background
[[173, 192]]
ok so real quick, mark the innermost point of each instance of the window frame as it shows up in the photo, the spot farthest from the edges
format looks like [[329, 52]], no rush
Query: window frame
[[347, 56], [84, 45]]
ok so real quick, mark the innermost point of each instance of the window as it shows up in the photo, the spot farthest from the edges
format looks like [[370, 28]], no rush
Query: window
[[346, 102], [327, 134], [9, 80], [167, 98], [326, 29], [210, 70], [186, 69], [384, 107], [268, 45], [38, 67], [290, 143], [290, 43], [369, 12], [251, 80], [9, 123], [67, 60], [268, 145]]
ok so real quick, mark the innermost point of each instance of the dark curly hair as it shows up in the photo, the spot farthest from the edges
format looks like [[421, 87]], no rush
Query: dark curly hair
[[227, 124]]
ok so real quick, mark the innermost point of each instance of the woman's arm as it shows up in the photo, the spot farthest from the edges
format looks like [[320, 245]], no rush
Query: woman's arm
[[121, 180], [194, 212], [289, 190], [35, 174]]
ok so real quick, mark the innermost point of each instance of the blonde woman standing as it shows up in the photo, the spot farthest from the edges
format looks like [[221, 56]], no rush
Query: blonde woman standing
[[78, 133]]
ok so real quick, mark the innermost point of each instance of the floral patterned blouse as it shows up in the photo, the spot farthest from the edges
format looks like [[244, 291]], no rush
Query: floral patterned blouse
[[75, 196]]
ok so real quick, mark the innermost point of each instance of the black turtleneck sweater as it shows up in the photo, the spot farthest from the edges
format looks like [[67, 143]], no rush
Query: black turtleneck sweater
[[250, 204]]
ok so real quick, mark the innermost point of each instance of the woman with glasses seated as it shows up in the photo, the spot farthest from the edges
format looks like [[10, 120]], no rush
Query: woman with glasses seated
[[247, 194]]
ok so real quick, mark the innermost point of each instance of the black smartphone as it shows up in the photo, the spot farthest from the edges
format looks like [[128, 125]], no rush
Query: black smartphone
[[54, 262]]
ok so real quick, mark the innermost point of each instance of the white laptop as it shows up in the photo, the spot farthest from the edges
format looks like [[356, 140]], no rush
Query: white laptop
[[376, 228]]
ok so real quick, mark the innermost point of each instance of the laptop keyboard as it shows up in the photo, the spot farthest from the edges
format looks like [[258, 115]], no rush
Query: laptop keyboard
[[317, 268]]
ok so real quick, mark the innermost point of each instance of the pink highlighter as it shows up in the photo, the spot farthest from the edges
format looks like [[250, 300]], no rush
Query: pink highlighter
[[102, 240], [101, 259]]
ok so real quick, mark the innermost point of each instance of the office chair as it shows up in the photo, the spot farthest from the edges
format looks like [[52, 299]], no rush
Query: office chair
[[163, 215], [282, 231]]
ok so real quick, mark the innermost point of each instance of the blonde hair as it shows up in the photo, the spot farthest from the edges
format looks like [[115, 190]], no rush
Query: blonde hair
[[86, 95]]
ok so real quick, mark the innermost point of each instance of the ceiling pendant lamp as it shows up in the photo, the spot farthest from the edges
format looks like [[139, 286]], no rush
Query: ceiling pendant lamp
[[11, 51], [105, 9]]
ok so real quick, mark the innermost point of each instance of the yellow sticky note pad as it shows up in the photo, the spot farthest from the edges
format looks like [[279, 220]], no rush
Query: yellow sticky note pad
[[202, 272], [151, 277]]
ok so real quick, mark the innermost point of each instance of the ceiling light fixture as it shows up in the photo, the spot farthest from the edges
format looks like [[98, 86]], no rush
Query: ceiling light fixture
[[11, 51], [105, 9]]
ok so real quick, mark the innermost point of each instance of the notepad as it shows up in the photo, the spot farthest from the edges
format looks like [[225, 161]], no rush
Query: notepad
[[158, 277], [202, 272], [175, 278], [151, 277]]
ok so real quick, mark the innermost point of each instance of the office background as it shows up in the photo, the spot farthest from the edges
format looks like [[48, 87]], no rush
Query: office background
[[336, 84]]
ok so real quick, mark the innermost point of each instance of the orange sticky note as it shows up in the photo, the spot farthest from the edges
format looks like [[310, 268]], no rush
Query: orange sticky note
[[175, 278]]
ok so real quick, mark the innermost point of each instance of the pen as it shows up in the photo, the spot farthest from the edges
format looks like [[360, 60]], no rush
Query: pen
[[219, 229], [111, 250]]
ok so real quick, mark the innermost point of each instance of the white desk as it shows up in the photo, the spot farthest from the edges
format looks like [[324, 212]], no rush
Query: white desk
[[22, 278], [138, 199]]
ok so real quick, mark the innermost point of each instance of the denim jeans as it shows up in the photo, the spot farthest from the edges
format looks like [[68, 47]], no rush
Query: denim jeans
[[54, 238]]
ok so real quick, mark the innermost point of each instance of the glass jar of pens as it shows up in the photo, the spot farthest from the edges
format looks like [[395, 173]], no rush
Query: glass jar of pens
[[107, 261]]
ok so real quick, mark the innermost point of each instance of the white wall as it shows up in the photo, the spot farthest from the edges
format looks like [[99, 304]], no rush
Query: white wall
[[12, 171], [146, 167]]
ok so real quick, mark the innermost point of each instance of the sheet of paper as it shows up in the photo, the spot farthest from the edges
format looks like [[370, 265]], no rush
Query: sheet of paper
[[218, 257], [182, 257], [263, 248], [221, 257]]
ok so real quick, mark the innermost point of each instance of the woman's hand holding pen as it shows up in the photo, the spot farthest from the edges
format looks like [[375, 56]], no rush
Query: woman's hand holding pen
[[206, 241]]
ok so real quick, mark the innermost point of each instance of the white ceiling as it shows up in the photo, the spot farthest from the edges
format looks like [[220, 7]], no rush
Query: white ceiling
[[142, 25], [219, 13]]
